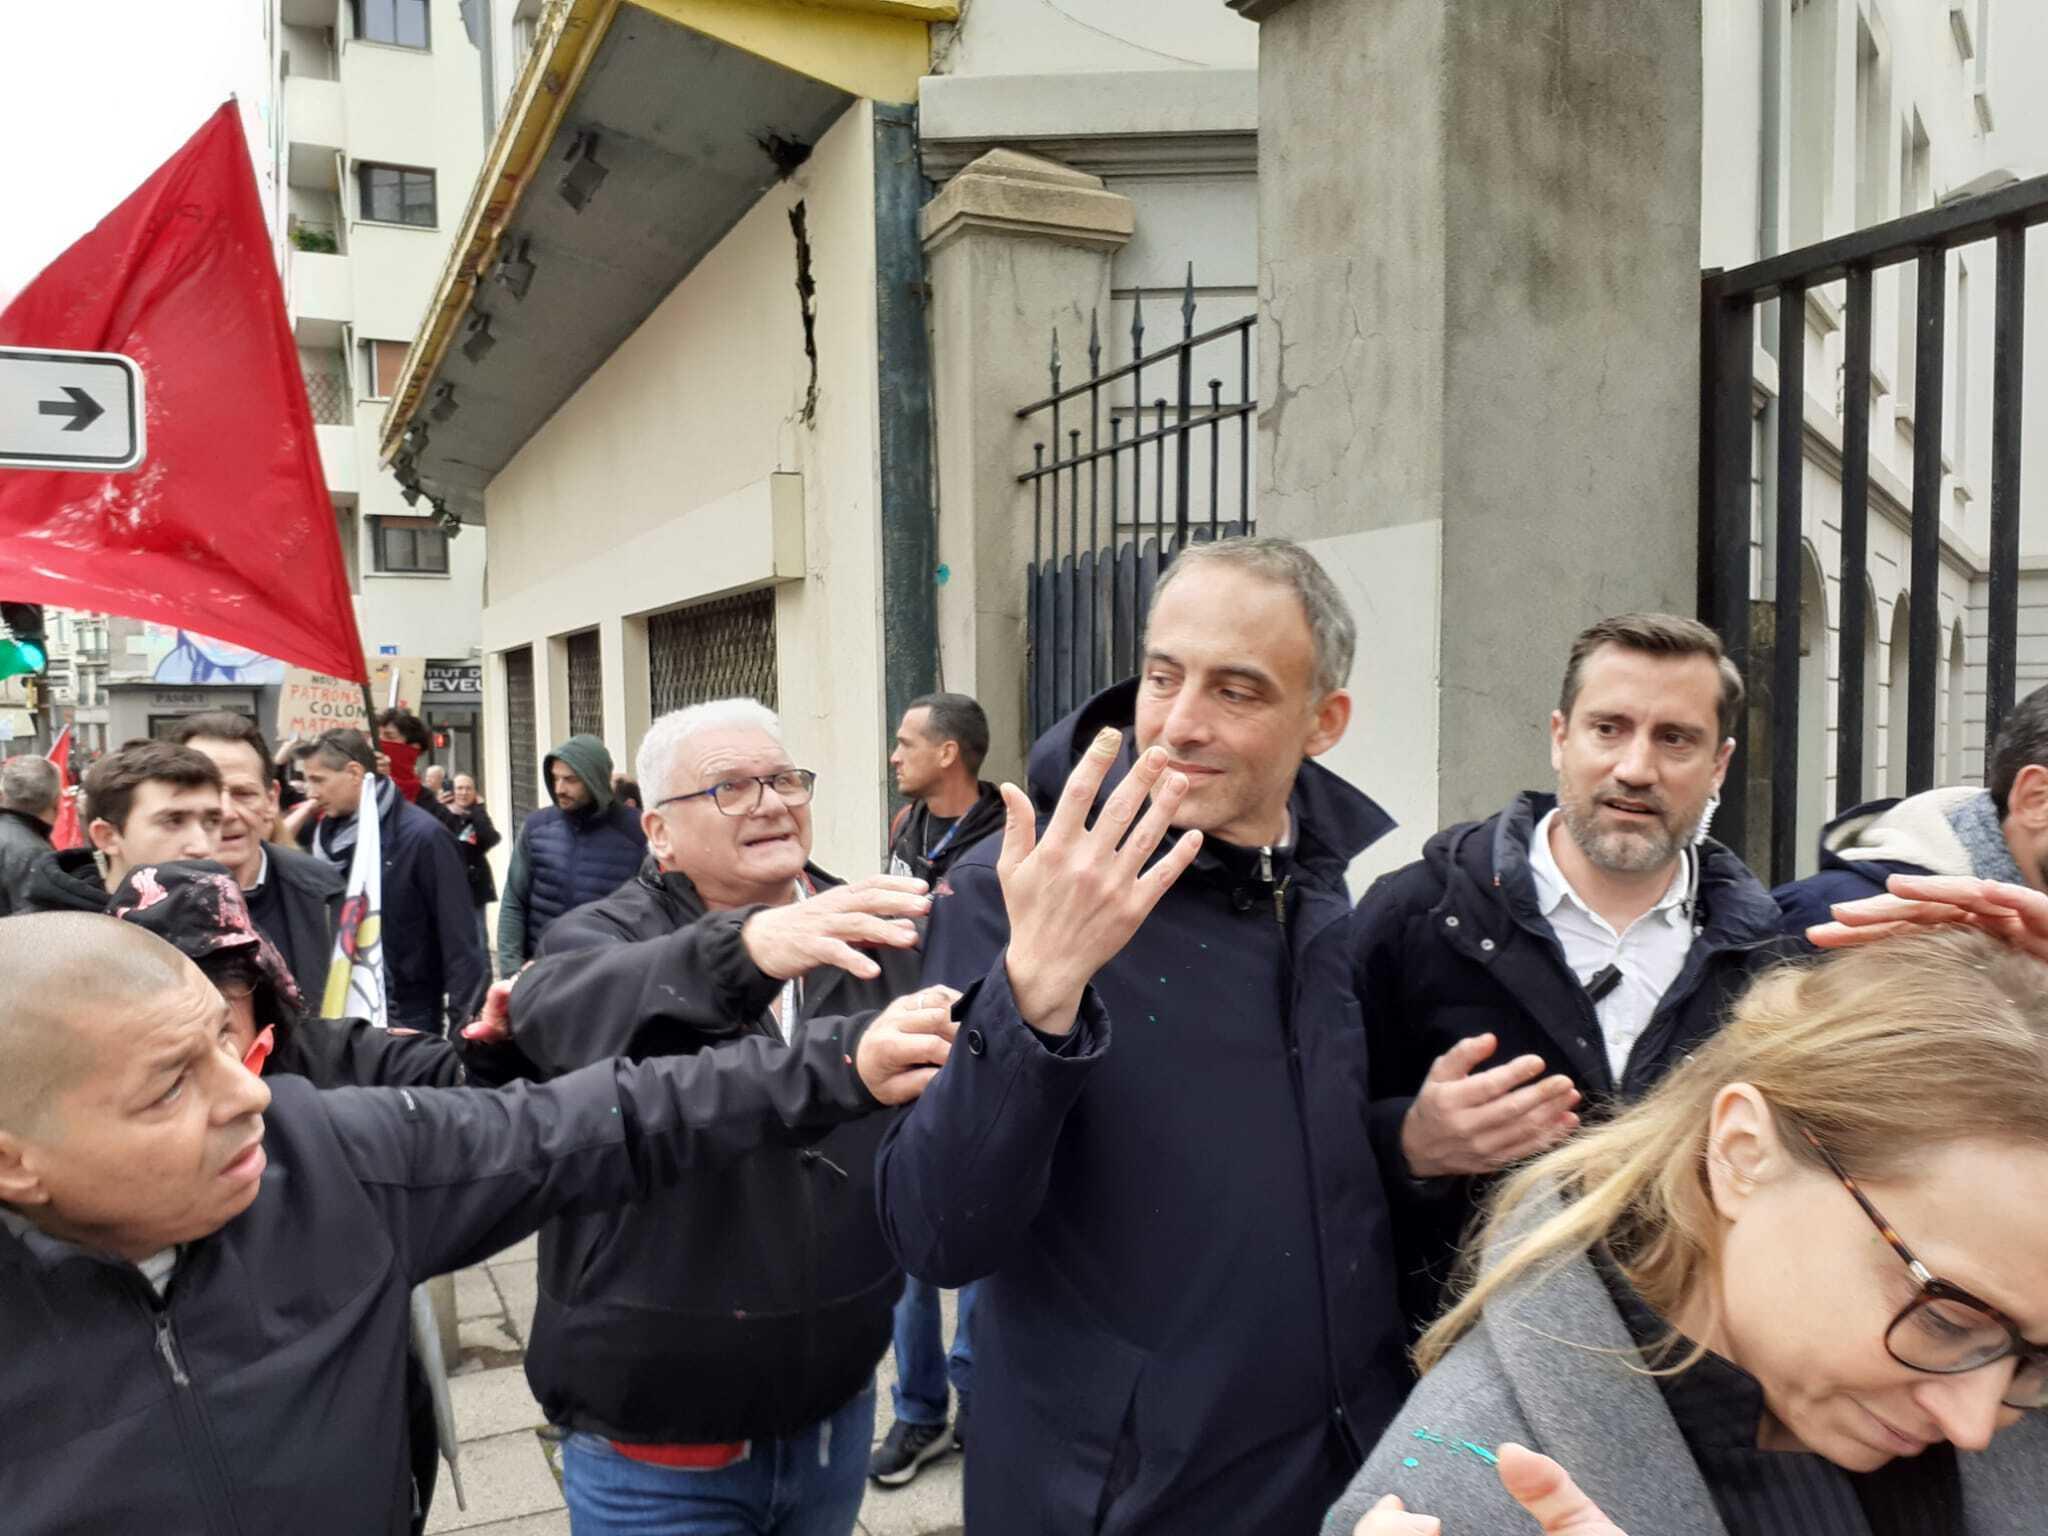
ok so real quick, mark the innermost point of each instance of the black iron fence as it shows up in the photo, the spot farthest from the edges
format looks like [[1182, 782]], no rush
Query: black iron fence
[[1126, 482], [1764, 640]]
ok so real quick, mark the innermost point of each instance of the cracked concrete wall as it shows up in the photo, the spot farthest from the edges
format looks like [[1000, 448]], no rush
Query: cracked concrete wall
[[1480, 300]]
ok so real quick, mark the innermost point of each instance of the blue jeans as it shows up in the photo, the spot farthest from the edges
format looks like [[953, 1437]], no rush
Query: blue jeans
[[809, 1484], [922, 1365]]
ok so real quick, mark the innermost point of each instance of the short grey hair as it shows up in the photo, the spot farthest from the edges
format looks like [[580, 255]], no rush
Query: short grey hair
[[1333, 633], [656, 763], [32, 784]]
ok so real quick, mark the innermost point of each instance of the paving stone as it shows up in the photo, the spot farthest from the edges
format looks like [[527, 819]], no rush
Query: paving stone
[[555, 1523], [488, 1340], [525, 1248], [519, 1283], [505, 1476], [476, 1295], [493, 1402], [928, 1504]]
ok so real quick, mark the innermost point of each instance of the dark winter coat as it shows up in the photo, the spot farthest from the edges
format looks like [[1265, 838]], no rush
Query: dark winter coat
[[67, 880], [1187, 1321], [261, 1393], [301, 917], [565, 859], [24, 839], [1456, 945], [475, 837], [744, 1305], [431, 945], [913, 835], [1938, 832]]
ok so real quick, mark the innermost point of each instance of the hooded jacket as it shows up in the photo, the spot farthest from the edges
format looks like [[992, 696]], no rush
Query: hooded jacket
[[743, 1305], [24, 839], [1187, 1320], [914, 850], [66, 880], [1456, 945], [566, 859], [1939, 832], [261, 1392]]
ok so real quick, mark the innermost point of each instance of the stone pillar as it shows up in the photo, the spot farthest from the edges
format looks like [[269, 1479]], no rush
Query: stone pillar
[[1015, 246], [1479, 347]]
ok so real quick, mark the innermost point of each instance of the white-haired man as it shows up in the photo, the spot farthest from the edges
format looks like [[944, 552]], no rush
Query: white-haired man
[[714, 1349]]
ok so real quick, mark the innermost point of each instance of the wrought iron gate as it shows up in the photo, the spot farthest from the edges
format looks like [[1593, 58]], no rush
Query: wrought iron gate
[[1089, 585], [586, 684], [1762, 640]]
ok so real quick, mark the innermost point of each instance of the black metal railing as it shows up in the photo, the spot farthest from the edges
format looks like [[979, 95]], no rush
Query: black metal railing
[[1093, 570], [1728, 330]]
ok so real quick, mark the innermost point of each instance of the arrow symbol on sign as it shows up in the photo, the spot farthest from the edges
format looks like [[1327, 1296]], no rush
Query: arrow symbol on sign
[[81, 408]]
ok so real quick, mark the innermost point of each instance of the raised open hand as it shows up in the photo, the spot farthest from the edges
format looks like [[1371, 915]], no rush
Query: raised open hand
[[1076, 896]]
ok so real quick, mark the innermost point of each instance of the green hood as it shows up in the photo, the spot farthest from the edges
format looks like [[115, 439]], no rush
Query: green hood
[[588, 760]]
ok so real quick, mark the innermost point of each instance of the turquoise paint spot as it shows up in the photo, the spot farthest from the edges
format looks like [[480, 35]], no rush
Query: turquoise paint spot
[[943, 574], [1481, 1452], [1410, 1461], [1433, 1439]]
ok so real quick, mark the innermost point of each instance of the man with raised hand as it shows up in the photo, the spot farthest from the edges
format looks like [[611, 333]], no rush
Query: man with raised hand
[[1187, 1319]]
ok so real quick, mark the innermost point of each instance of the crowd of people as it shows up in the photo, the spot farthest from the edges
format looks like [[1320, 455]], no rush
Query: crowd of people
[[1570, 1180]]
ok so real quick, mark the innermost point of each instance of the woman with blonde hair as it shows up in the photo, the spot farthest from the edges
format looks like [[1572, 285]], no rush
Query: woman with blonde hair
[[1799, 1290]]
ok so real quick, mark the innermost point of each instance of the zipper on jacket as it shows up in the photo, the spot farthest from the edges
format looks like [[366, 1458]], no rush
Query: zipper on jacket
[[202, 1449], [1308, 1156], [1279, 888], [167, 1346]]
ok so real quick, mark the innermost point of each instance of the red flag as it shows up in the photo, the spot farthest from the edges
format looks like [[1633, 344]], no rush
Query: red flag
[[65, 834], [226, 528]]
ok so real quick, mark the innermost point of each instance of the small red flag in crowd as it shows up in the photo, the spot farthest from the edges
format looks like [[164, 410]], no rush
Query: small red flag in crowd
[[65, 834], [226, 528]]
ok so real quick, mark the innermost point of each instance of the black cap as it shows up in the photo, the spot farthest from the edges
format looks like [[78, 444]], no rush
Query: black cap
[[195, 906]]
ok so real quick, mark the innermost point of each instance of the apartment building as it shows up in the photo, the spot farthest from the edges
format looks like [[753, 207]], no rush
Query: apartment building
[[378, 126]]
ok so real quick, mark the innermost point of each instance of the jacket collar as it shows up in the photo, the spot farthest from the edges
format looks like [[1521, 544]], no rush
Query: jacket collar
[[35, 823], [1333, 821], [1492, 857]]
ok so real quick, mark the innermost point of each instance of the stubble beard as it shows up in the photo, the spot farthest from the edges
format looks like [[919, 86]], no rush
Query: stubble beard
[[1624, 852]]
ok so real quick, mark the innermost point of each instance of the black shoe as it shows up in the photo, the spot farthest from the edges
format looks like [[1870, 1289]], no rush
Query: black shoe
[[960, 1429], [905, 1451]]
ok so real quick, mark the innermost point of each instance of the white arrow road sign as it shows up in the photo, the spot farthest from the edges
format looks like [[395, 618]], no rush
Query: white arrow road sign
[[69, 410]]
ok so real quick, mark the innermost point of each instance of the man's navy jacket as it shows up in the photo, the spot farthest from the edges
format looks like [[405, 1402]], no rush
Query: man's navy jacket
[[1188, 1321]]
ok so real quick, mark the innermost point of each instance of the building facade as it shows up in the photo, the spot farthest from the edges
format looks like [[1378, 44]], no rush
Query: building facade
[[740, 388], [378, 125]]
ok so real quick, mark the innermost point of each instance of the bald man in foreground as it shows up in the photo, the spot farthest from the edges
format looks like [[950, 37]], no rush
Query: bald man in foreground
[[203, 1306]]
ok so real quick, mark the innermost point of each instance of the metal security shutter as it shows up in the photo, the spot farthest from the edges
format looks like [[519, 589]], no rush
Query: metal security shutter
[[586, 685], [721, 649], [522, 751]]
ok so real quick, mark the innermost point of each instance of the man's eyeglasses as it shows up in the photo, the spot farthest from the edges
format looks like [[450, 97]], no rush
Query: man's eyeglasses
[[1944, 1330], [742, 796]]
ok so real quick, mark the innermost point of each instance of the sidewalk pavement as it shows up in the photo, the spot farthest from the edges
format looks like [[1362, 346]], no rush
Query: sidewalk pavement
[[509, 1473]]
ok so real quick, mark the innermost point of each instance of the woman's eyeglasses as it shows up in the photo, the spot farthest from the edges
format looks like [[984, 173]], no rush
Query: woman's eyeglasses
[[1944, 1330]]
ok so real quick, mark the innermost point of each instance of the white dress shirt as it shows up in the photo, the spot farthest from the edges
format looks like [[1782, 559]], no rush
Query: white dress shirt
[[1649, 953]]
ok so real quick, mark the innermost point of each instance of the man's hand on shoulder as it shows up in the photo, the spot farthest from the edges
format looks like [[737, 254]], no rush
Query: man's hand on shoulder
[[833, 928]]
